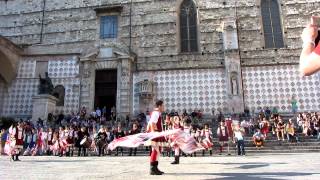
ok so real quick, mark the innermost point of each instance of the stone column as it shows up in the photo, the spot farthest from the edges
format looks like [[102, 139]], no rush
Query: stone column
[[232, 67]]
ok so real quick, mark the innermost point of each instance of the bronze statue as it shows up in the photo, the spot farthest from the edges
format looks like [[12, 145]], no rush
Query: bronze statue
[[45, 85]]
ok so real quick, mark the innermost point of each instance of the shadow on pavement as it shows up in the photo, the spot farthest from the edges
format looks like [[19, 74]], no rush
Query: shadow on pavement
[[247, 176], [250, 165], [55, 161]]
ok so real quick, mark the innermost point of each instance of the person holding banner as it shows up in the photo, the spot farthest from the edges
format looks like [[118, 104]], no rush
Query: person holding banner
[[155, 125]]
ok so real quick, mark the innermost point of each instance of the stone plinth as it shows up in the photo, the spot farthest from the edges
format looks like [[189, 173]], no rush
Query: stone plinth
[[43, 105]]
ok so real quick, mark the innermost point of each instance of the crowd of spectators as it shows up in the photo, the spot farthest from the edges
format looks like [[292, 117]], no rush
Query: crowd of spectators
[[102, 129]]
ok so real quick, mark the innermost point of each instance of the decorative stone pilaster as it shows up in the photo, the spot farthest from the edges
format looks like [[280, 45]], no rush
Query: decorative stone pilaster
[[124, 90], [232, 67], [87, 83]]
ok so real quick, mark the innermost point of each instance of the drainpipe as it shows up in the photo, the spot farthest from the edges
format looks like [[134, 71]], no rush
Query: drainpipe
[[130, 27], [80, 83], [42, 21]]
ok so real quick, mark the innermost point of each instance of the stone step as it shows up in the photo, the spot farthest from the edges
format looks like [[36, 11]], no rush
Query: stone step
[[252, 147], [281, 147], [270, 138], [276, 141], [232, 151]]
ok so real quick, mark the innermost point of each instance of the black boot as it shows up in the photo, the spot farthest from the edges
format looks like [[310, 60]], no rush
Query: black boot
[[176, 160], [12, 158], [156, 162], [153, 169], [17, 158]]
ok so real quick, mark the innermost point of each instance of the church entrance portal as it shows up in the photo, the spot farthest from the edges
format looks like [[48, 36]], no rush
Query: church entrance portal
[[106, 89]]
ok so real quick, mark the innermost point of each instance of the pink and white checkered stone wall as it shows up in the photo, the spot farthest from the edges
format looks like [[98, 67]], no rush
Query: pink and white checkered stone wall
[[203, 89], [275, 85], [18, 98]]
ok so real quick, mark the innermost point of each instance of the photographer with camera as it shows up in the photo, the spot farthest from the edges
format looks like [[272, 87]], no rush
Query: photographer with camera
[[310, 55]]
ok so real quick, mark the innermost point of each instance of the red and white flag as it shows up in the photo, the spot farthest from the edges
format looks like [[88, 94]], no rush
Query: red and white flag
[[177, 137]]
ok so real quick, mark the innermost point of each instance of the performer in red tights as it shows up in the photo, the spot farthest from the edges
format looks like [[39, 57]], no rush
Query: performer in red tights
[[155, 125]]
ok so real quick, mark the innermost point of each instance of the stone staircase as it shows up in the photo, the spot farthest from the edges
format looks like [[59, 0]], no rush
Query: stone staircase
[[272, 145]]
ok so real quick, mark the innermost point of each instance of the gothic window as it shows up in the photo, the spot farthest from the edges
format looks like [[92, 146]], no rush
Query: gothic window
[[271, 20], [108, 27], [59, 93], [188, 26]]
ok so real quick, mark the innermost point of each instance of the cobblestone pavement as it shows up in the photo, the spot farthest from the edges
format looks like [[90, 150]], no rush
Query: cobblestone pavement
[[266, 166]]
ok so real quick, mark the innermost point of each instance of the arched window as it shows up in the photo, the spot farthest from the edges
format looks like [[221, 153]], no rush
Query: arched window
[[59, 92], [188, 26], [271, 20]]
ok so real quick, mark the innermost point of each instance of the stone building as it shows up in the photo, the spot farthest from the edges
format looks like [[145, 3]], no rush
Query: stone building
[[194, 54]]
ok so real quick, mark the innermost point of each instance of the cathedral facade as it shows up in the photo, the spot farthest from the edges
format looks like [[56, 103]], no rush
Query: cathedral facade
[[194, 54]]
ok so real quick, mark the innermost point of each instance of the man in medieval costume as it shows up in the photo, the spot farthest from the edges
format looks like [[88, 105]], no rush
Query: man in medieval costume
[[155, 125]]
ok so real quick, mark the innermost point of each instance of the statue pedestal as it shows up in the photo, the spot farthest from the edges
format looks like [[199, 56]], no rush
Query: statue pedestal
[[43, 104]]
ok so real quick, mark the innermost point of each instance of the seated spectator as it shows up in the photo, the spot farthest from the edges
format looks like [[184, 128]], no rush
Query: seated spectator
[[273, 124], [317, 127], [245, 125], [300, 122], [306, 128], [280, 130], [251, 126], [199, 114], [264, 126], [258, 139], [184, 114], [194, 114], [290, 132]]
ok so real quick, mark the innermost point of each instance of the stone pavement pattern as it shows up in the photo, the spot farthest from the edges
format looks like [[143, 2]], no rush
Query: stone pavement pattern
[[266, 166]]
